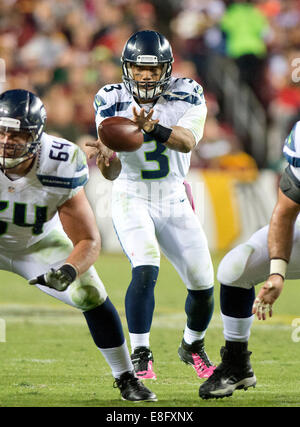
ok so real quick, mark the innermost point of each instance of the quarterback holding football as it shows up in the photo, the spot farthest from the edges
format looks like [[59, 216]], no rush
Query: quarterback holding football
[[48, 233], [150, 207]]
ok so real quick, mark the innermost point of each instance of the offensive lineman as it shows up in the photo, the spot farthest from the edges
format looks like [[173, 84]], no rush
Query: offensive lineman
[[150, 208], [48, 233], [273, 253]]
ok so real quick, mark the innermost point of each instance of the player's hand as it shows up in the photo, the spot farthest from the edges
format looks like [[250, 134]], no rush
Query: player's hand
[[267, 295], [56, 279], [143, 120], [100, 151]]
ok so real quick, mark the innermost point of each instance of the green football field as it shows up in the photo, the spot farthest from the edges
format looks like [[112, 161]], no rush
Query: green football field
[[49, 358]]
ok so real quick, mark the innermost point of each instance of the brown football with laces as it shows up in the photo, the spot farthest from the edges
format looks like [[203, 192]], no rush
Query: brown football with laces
[[120, 134]]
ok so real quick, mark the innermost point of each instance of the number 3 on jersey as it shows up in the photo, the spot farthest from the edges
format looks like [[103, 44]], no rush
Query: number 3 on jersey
[[156, 155]]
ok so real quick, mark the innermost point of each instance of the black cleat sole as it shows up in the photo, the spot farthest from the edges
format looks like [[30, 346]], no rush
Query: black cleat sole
[[140, 401], [245, 387]]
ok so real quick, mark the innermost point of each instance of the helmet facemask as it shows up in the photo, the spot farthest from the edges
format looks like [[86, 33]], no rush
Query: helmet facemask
[[146, 90], [20, 145]]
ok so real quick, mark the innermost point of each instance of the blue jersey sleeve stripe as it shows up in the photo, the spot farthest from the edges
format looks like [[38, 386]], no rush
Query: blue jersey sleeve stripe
[[118, 106], [185, 97], [108, 112], [54, 181], [294, 161]]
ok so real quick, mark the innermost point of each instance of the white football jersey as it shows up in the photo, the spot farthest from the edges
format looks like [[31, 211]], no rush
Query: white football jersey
[[182, 105], [291, 150], [28, 205]]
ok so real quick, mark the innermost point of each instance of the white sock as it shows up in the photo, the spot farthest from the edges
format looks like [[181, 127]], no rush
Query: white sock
[[118, 359], [237, 329], [139, 340], [190, 336]]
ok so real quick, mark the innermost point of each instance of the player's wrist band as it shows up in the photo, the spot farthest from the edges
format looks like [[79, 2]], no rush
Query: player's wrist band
[[278, 266], [160, 133], [70, 271], [112, 157]]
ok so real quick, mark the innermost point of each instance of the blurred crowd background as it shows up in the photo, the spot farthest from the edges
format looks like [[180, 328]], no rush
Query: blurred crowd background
[[246, 55]]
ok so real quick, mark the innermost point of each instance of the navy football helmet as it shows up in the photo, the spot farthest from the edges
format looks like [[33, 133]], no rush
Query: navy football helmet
[[22, 114], [147, 48]]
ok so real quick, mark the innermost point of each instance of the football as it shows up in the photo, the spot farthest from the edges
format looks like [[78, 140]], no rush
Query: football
[[120, 134]]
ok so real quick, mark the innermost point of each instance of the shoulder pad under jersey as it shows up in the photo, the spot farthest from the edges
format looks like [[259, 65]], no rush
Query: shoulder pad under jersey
[[186, 90]]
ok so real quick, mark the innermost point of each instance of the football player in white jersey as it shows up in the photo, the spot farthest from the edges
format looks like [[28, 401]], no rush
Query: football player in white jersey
[[270, 255], [48, 233], [150, 207]]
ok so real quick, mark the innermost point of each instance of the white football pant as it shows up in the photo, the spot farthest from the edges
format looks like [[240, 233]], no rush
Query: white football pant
[[143, 227], [85, 293], [248, 264]]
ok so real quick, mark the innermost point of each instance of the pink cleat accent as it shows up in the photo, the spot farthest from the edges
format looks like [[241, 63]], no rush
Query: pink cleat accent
[[142, 360], [202, 370], [195, 355], [148, 374]]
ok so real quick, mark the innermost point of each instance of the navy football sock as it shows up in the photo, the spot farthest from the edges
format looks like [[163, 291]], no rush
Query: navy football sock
[[236, 302], [139, 300], [199, 307], [105, 325]]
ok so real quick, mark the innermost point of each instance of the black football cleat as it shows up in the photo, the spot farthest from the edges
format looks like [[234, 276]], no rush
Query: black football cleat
[[132, 389], [195, 355], [142, 360], [233, 373]]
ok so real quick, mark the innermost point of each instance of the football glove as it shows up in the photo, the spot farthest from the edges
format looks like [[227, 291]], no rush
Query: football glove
[[57, 279]]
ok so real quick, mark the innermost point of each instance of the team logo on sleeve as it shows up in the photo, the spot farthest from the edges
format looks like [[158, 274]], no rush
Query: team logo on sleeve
[[99, 101], [290, 140]]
